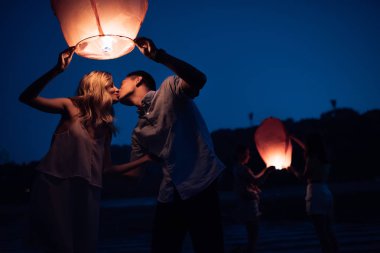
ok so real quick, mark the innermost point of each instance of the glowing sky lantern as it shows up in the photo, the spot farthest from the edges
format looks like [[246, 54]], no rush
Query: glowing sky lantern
[[273, 143], [101, 29]]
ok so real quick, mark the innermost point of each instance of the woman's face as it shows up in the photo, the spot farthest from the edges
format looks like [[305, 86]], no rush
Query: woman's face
[[113, 91]]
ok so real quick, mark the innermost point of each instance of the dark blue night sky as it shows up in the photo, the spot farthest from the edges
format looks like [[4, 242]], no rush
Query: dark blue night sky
[[279, 58]]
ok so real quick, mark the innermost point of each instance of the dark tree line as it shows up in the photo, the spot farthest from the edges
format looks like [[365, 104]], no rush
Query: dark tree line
[[352, 139]]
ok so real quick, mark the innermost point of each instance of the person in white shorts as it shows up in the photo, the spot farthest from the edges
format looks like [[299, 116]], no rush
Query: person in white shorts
[[319, 199]]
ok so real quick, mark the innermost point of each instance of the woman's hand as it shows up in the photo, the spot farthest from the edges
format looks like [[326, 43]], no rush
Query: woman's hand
[[64, 59]]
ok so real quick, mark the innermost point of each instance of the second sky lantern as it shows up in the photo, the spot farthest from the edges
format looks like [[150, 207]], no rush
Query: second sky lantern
[[101, 29], [273, 143]]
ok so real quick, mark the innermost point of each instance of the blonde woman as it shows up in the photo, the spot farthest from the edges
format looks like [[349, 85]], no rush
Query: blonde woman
[[66, 190]]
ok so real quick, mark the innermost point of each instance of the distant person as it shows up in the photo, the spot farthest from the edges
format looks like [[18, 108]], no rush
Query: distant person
[[171, 129], [66, 191], [319, 199], [246, 185]]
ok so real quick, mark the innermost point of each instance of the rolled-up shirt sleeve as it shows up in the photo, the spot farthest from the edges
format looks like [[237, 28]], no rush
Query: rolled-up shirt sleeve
[[179, 87]]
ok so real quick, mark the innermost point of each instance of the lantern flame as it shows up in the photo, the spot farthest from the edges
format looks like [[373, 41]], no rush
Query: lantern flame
[[107, 44], [276, 161], [277, 157]]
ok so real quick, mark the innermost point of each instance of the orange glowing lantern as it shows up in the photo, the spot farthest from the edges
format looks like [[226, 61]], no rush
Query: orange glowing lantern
[[273, 143], [101, 29]]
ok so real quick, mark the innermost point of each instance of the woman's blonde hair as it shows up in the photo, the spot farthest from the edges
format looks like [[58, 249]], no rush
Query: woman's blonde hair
[[94, 101]]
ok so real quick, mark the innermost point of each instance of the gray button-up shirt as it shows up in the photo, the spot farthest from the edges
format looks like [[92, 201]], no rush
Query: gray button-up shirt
[[172, 128]]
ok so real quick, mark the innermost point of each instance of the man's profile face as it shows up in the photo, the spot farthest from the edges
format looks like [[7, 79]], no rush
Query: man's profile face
[[127, 88]]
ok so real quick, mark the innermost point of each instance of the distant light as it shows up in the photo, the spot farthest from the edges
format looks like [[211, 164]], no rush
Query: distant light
[[273, 144], [101, 29]]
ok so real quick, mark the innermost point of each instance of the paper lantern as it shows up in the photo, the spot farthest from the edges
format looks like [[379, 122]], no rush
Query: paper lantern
[[101, 29], [273, 143]]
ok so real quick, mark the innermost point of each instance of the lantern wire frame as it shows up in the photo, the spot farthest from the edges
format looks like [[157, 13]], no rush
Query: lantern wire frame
[[107, 46]]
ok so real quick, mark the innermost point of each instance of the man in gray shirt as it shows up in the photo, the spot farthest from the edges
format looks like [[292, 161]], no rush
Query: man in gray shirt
[[171, 128]]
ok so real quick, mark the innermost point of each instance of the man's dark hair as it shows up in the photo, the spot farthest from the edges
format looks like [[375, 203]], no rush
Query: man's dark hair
[[146, 78]]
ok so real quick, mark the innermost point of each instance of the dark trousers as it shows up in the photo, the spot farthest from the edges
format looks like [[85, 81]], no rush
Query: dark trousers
[[199, 216]]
